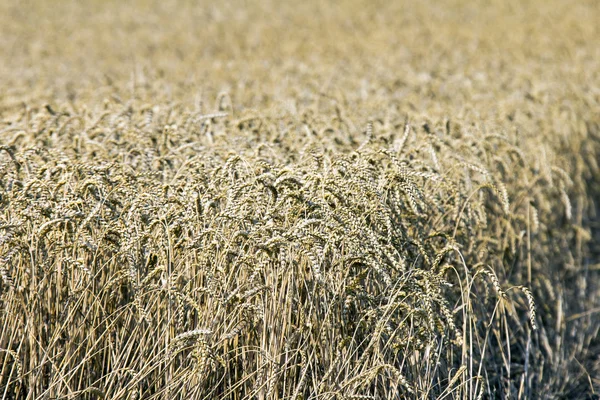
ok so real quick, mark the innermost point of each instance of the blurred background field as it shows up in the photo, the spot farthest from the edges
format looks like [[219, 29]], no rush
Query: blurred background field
[[269, 199]]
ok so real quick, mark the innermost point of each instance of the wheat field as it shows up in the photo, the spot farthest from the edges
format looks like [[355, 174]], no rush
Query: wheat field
[[299, 200]]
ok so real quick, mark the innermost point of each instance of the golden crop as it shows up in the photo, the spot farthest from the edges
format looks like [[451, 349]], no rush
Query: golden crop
[[345, 200]]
